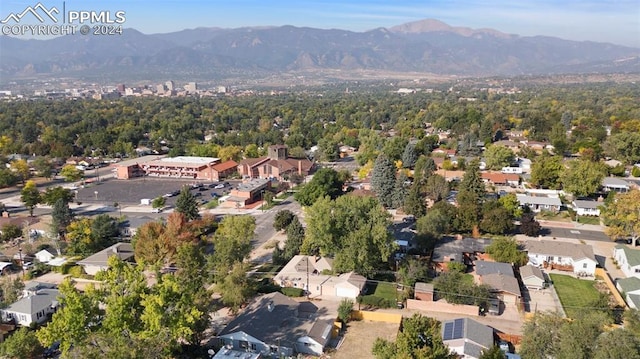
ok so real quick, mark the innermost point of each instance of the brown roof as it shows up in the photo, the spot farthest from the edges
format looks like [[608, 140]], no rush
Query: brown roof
[[497, 177], [253, 161], [224, 166]]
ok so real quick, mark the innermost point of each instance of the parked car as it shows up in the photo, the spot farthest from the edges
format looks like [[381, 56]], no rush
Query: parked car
[[197, 194], [157, 210], [213, 185], [219, 186]]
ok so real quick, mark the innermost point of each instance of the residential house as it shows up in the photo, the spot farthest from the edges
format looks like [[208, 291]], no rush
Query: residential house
[[629, 288], [524, 164], [444, 151], [306, 272], [628, 259], [532, 277], [500, 277], [538, 146], [467, 337], [276, 325], [39, 301], [615, 184], [586, 208], [513, 146], [227, 353], [45, 255], [501, 179], [537, 204], [575, 257], [98, 261], [463, 250], [423, 291], [130, 226]]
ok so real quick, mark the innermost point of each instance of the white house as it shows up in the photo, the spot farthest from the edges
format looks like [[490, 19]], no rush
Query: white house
[[615, 184], [579, 256], [276, 325], [306, 272], [538, 204], [45, 255], [628, 259], [37, 303], [586, 208], [467, 337]]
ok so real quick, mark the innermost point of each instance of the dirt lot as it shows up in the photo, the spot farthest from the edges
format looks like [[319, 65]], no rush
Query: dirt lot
[[360, 337]]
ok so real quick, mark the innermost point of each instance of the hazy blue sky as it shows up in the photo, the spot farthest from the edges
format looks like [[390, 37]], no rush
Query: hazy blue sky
[[615, 21]]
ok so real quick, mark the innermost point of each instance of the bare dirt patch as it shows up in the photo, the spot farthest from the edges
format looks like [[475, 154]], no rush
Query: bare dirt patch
[[360, 336]]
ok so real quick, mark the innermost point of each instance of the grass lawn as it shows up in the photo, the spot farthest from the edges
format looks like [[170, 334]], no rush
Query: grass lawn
[[386, 290], [574, 293], [589, 220]]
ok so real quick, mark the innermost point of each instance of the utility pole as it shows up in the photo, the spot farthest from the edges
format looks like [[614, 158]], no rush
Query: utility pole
[[307, 277]]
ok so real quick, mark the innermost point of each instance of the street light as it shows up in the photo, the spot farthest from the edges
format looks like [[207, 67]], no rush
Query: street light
[[96, 193], [21, 263]]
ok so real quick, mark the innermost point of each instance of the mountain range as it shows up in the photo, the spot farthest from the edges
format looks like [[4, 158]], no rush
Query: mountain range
[[427, 46]]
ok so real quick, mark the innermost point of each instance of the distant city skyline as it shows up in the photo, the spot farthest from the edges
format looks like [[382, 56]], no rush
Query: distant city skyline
[[614, 21]]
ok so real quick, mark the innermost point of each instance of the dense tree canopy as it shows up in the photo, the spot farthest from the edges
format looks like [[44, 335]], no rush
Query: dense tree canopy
[[622, 216], [325, 182]]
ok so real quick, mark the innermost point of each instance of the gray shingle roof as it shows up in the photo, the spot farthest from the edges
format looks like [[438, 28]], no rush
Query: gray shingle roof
[[35, 303], [629, 285], [450, 247], [614, 182], [123, 250], [575, 251], [502, 283], [531, 271], [479, 334], [580, 203], [484, 268], [544, 201]]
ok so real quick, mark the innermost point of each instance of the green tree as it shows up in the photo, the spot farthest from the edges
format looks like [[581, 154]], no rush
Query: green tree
[[424, 168], [498, 157], [90, 235], [400, 191], [22, 344], [394, 147], [7, 178], [71, 174], [126, 346], [295, 238], [77, 317], [236, 287], [409, 156], [470, 198], [624, 146], [510, 203], [507, 250], [546, 171], [21, 168], [412, 271], [622, 216], [156, 243], [61, 216], [434, 224], [30, 196], [617, 344], [583, 177], [578, 338], [232, 243], [11, 290], [492, 353], [325, 182], [453, 287], [10, 232], [52, 194], [496, 219], [558, 138], [158, 202], [436, 188], [420, 338], [352, 229], [187, 204], [415, 203], [282, 219], [541, 335], [383, 180], [344, 310], [43, 167]]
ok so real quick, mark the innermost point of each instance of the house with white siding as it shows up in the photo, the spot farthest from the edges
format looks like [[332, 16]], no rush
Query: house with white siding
[[586, 208], [628, 259], [579, 257]]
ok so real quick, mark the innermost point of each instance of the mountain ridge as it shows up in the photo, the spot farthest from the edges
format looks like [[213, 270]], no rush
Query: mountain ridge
[[428, 46]]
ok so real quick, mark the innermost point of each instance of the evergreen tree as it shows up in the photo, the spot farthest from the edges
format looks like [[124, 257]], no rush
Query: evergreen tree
[[409, 156], [187, 204], [470, 198], [383, 180], [400, 191], [423, 169], [61, 216], [295, 237], [415, 203]]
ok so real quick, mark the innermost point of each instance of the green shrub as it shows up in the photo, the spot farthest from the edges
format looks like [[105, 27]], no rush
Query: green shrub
[[292, 292], [77, 272], [266, 286], [635, 172], [375, 301]]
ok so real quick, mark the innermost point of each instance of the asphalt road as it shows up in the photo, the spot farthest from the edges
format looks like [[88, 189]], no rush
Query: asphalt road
[[264, 221], [575, 233]]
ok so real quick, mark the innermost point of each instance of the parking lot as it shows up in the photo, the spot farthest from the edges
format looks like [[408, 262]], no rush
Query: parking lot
[[130, 192]]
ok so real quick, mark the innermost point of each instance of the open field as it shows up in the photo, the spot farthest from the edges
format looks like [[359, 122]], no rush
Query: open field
[[574, 293], [360, 336]]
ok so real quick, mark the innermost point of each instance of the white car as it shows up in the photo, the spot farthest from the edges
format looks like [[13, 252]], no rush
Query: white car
[[157, 210], [220, 186]]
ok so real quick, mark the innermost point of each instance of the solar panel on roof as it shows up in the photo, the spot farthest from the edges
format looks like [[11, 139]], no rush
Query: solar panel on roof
[[448, 331], [458, 328]]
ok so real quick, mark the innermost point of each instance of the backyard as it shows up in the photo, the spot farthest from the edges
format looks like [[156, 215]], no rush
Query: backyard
[[574, 293]]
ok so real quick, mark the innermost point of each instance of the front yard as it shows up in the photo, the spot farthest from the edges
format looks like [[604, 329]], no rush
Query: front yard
[[574, 293]]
